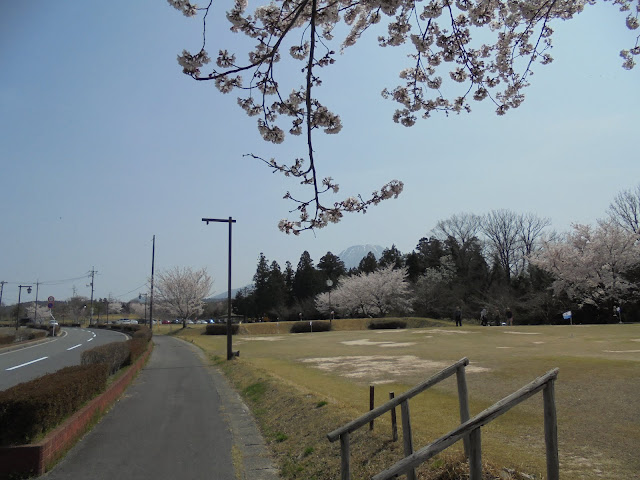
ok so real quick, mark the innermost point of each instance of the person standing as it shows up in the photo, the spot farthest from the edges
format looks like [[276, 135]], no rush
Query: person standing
[[458, 317], [509, 317], [483, 317]]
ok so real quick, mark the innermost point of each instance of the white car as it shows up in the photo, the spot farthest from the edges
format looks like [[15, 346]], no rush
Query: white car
[[53, 323]]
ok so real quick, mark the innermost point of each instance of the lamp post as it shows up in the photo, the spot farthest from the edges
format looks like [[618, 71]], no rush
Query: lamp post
[[20, 287], [229, 341], [330, 284], [145, 305]]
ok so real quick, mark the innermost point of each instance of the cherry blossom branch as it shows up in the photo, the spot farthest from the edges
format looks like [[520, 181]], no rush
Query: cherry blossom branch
[[443, 45]]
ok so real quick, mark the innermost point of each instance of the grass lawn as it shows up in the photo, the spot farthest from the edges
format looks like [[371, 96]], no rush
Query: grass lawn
[[597, 391]]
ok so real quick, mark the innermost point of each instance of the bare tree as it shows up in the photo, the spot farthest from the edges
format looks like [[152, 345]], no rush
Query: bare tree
[[463, 227], [502, 229], [625, 209], [181, 291], [462, 51], [531, 227]]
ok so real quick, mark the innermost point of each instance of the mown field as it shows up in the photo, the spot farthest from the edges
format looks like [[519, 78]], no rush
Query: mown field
[[301, 386]]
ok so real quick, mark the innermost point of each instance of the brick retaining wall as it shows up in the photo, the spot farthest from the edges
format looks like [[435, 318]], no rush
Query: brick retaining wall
[[35, 459]]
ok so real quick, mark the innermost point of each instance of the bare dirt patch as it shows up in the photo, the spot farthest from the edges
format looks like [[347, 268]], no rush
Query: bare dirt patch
[[450, 332], [367, 342], [262, 339], [380, 368]]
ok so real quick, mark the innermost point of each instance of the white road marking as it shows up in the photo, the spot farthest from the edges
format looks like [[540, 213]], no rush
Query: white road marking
[[90, 339], [79, 345], [28, 363]]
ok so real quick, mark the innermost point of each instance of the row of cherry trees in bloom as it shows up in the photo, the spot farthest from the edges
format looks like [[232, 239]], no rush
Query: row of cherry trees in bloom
[[495, 261]]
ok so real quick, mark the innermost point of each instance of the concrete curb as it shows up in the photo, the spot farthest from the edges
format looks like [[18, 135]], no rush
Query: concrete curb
[[257, 463]]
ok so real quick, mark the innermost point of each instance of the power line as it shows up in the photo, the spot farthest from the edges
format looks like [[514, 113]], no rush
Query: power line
[[146, 284]]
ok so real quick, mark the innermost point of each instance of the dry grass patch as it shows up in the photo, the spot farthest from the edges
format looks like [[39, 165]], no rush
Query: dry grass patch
[[596, 393]]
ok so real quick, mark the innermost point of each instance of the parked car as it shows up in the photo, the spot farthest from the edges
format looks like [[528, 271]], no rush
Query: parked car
[[53, 323], [166, 322]]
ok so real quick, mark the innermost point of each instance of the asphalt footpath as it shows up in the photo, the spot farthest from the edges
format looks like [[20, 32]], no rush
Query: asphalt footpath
[[180, 419]]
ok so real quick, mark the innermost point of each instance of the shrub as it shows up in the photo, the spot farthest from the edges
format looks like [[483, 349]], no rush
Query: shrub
[[311, 326], [136, 346], [143, 332], [6, 339], [115, 355], [30, 409], [386, 324], [220, 329]]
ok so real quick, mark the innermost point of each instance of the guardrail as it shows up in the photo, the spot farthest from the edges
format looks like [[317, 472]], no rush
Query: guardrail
[[468, 430]]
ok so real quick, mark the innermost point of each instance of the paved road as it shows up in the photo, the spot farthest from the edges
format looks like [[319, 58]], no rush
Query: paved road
[[24, 364], [178, 420]]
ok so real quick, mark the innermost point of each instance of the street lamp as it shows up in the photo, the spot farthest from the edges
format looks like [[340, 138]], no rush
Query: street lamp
[[20, 287], [330, 284], [229, 341], [145, 305]]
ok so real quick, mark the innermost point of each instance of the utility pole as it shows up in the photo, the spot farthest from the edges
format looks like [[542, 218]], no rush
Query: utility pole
[[153, 259], [1, 289], [92, 273], [35, 305]]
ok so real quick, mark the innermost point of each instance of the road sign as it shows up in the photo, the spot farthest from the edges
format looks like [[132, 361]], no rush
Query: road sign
[[50, 300]]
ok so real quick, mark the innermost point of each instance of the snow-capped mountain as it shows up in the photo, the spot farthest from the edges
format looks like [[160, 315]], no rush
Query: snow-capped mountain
[[352, 255]]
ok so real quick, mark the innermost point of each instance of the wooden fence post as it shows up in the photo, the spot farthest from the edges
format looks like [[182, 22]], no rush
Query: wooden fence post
[[475, 455], [463, 398], [345, 470], [551, 430], [394, 421], [371, 403], [407, 436]]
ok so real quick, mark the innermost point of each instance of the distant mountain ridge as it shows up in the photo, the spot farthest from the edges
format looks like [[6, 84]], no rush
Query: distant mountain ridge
[[224, 295], [352, 255]]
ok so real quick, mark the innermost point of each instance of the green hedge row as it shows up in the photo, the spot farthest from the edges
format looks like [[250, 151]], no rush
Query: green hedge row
[[310, 326], [33, 408], [220, 329], [30, 409], [22, 335], [386, 324], [119, 354], [115, 355], [127, 328]]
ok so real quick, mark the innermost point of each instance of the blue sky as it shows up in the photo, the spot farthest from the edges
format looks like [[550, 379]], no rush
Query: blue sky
[[105, 143]]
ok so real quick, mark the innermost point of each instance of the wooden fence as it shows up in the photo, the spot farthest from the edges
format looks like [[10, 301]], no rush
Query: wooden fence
[[343, 432], [468, 430]]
